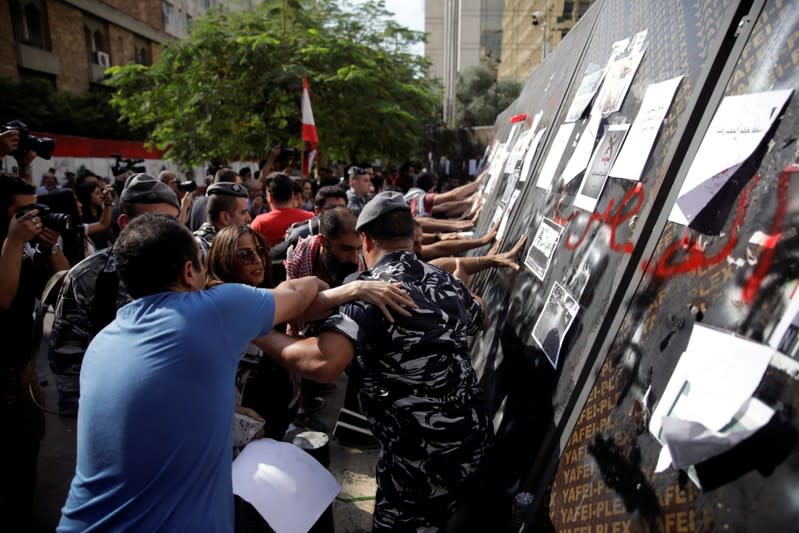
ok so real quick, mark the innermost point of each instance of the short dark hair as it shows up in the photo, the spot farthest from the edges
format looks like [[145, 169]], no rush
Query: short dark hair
[[426, 180], [227, 175], [296, 187], [337, 221], [245, 171], [328, 191], [151, 252], [218, 203], [11, 186], [281, 188], [397, 224]]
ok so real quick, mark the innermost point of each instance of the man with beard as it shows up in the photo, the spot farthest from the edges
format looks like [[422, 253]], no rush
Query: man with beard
[[332, 255]]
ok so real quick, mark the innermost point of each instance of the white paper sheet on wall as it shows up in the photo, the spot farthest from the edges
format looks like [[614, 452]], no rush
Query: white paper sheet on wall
[[556, 149], [737, 129], [644, 130]]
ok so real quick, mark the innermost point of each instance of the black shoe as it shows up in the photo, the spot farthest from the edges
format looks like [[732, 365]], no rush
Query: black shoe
[[311, 405], [310, 422]]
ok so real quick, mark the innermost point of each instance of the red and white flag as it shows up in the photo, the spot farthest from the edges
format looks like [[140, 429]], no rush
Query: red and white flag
[[310, 138]]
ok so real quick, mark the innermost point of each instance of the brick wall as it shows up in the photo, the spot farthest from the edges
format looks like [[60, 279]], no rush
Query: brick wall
[[147, 11], [122, 46], [8, 48], [69, 44]]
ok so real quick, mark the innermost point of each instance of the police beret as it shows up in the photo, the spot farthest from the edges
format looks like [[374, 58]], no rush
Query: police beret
[[383, 203], [227, 189], [145, 189]]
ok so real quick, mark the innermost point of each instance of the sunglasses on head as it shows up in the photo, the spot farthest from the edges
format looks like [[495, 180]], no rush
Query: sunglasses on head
[[249, 257]]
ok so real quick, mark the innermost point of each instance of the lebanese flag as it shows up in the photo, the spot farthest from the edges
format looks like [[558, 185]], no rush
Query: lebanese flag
[[310, 138]]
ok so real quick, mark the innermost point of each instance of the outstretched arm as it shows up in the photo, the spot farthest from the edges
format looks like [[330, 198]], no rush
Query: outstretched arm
[[432, 225], [448, 247], [459, 193], [320, 358], [293, 297], [470, 265], [389, 297]]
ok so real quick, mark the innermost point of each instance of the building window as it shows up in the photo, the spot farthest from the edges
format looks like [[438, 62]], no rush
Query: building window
[[97, 42], [29, 22], [169, 15]]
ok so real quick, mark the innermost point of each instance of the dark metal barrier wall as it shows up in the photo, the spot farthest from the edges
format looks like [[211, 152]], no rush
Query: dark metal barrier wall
[[576, 436]]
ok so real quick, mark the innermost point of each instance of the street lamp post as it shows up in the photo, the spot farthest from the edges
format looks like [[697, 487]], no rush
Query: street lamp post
[[538, 20]]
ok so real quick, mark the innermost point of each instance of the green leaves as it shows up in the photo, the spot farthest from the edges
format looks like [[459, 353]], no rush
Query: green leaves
[[232, 89]]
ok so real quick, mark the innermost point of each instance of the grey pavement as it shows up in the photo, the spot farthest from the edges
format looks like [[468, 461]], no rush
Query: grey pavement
[[353, 467]]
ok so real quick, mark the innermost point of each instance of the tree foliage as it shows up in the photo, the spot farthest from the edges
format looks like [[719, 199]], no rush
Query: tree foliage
[[480, 97], [232, 88]]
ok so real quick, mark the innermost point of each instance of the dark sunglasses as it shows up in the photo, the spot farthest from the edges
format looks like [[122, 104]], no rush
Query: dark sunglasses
[[249, 257]]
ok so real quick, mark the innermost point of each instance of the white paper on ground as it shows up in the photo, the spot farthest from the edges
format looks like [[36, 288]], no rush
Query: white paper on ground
[[287, 486], [635, 153], [554, 156], [737, 129], [585, 147], [715, 376]]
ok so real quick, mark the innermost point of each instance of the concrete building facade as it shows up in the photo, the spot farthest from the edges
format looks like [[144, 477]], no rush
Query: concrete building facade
[[524, 37]]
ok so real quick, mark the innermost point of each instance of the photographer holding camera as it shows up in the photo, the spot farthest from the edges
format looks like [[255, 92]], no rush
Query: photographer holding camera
[[17, 141], [28, 258], [184, 190]]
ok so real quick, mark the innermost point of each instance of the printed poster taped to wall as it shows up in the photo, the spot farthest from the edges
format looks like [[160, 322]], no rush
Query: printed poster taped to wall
[[737, 129], [503, 225], [620, 73], [635, 153], [554, 322], [585, 147], [601, 162], [585, 93], [556, 149], [531, 151], [544, 243]]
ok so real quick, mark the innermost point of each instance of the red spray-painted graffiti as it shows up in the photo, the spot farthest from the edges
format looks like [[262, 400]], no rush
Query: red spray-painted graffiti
[[755, 280], [695, 254], [694, 258]]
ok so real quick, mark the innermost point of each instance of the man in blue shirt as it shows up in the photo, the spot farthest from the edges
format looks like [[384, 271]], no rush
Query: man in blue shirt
[[157, 394]]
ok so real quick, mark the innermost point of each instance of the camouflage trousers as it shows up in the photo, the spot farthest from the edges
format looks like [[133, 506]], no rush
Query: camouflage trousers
[[412, 516]]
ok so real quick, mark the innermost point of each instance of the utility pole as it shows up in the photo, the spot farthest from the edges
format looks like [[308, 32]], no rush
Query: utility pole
[[451, 40]]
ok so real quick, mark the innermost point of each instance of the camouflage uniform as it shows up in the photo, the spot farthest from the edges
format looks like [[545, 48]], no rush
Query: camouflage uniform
[[419, 391], [355, 202], [205, 236], [76, 322]]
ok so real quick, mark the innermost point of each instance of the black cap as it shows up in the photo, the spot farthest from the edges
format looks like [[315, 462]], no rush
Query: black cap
[[145, 189], [227, 189], [385, 202]]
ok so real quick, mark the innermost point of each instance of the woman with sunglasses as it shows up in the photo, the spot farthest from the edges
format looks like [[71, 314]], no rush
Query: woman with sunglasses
[[239, 254]]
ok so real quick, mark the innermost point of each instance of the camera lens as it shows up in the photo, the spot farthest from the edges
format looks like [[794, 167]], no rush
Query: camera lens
[[58, 222]]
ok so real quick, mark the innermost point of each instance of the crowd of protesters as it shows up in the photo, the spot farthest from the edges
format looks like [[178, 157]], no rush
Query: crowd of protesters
[[186, 315]]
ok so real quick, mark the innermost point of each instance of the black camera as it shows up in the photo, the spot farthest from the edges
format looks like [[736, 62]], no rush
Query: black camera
[[187, 186], [124, 165], [288, 151], [41, 146], [58, 222]]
